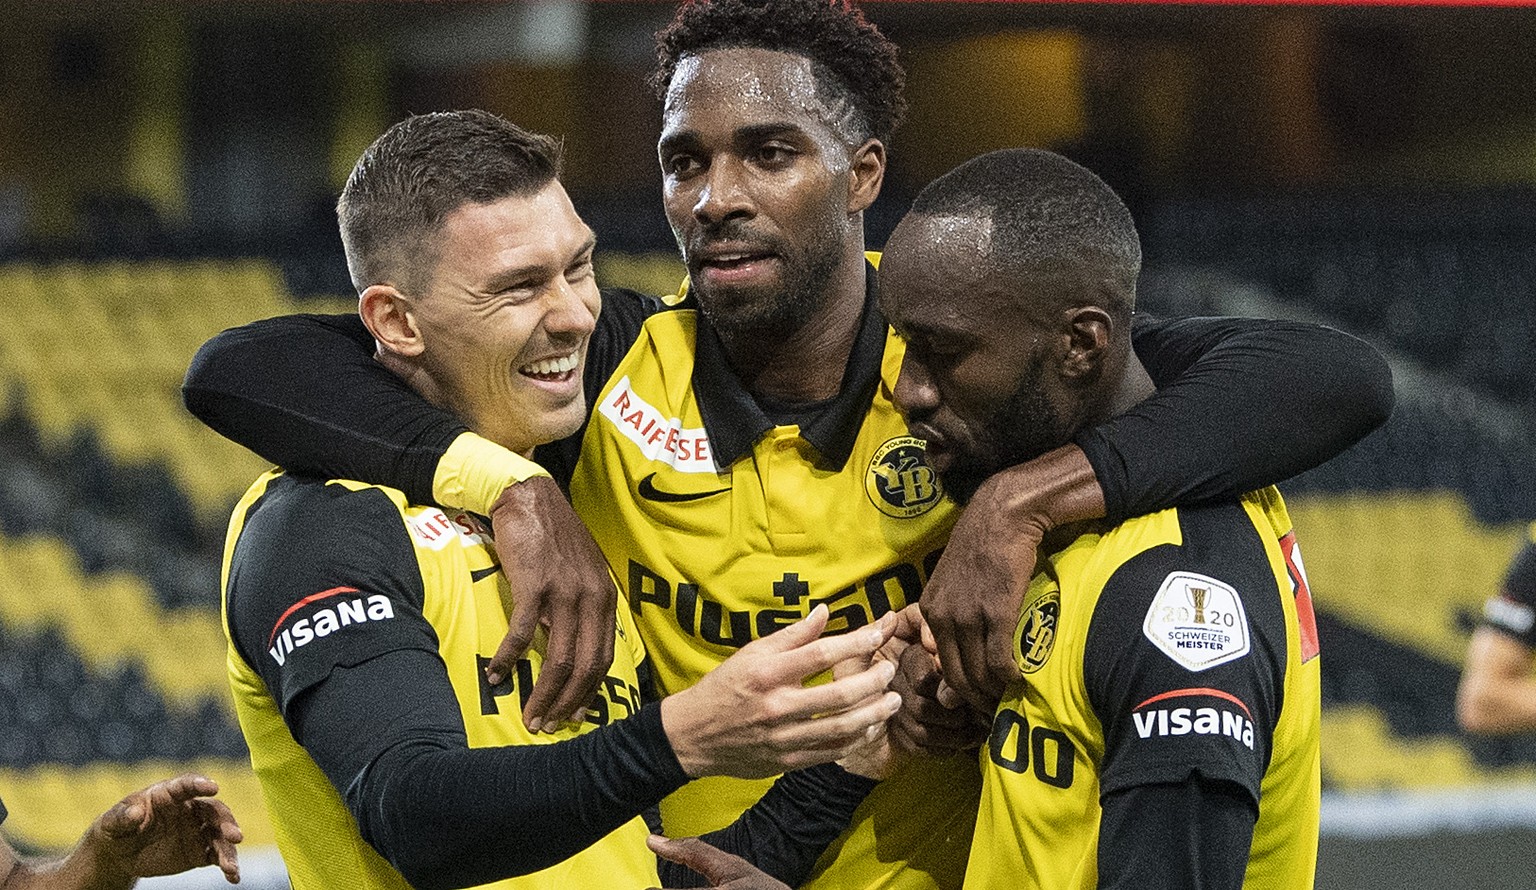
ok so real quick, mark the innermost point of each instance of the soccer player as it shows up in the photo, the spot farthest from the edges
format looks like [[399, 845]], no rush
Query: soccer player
[[359, 623], [743, 461], [165, 829], [1170, 661], [1497, 693]]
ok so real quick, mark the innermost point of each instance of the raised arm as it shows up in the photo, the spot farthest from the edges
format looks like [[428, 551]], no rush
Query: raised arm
[[1241, 403]]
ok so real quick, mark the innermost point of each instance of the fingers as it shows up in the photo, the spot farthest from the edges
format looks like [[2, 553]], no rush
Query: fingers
[[814, 656], [839, 731], [550, 701], [222, 833], [796, 635], [186, 787], [716, 865], [521, 625]]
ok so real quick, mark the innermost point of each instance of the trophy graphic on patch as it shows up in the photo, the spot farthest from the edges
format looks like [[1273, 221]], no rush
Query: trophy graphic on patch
[[1197, 599]]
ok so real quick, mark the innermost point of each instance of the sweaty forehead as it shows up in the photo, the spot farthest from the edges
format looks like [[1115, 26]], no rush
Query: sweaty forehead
[[936, 268], [744, 84]]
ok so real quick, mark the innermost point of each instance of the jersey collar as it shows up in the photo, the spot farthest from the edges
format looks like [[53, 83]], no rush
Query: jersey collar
[[733, 420]]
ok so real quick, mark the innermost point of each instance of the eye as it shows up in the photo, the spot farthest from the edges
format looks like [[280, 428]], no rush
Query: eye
[[580, 270], [679, 165], [775, 155]]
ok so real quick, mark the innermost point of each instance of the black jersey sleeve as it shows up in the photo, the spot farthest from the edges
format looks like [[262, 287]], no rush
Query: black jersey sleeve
[[789, 827], [1193, 834], [305, 392], [389, 736], [322, 576], [1185, 658], [1241, 404], [1513, 611]]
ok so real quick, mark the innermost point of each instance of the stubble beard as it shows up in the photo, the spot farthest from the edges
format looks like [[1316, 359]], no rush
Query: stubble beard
[[1024, 427]]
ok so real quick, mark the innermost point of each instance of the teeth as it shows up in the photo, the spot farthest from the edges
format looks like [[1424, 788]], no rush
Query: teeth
[[551, 366]]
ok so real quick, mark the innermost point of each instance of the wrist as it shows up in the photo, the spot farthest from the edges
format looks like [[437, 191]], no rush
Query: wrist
[[92, 861], [680, 728], [1057, 488], [474, 473]]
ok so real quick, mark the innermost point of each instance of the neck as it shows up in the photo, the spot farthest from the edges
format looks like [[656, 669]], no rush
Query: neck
[[1134, 386], [807, 364]]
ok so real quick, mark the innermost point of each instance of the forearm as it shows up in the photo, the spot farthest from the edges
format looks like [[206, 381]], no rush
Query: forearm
[[83, 869], [1241, 404], [461, 817], [789, 828], [306, 393]]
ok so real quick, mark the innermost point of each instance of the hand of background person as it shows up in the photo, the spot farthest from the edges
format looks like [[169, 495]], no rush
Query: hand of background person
[[723, 870], [167, 828], [971, 602], [558, 576], [753, 716]]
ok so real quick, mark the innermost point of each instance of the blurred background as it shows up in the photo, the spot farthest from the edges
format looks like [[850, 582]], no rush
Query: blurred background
[[169, 169]]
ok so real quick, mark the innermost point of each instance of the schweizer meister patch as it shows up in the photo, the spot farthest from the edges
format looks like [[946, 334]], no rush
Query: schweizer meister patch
[[1197, 621], [899, 481]]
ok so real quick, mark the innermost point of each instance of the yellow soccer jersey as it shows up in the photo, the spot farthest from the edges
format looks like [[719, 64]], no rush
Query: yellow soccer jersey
[[439, 588], [724, 526], [1178, 642]]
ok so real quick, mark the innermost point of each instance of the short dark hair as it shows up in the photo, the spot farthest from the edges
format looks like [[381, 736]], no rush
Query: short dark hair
[[424, 168], [1048, 215], [851, 60]]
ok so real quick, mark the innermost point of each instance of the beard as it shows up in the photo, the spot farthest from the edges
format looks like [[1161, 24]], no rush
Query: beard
[[1024, 427], [776, 310]]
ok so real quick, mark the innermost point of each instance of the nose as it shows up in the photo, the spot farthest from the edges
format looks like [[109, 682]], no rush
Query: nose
[[724, 195], [571, 314], [915, 395]]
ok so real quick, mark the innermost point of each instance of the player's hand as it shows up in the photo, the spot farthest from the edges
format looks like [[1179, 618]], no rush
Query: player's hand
[[557, 575], [723, 871], [933, 718], [753, 717], [973, 598], [167, 828]]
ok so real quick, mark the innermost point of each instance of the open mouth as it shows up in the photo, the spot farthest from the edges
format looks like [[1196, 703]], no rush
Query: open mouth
[[551, 370]]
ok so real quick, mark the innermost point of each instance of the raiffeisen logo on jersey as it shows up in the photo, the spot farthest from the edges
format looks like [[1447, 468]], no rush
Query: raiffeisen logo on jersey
[[341, 609], [660, 438]]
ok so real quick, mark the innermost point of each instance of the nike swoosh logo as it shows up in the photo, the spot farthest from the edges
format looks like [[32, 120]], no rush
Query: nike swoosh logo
[[650, 492], [478, 575]]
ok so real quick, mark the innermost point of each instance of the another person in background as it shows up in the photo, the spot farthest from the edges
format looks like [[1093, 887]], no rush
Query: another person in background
[[1498, 692], [165, 829]]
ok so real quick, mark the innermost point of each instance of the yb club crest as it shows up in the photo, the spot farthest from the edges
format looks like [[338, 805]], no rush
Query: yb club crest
[[1037, 632], [899, 482]]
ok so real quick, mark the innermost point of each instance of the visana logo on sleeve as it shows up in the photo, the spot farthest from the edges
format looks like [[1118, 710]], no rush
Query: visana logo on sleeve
[[1197, 621], [326, 621], [1166, 721], [899, 482]]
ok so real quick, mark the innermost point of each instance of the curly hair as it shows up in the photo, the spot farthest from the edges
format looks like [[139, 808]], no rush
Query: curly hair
[[852, 61]]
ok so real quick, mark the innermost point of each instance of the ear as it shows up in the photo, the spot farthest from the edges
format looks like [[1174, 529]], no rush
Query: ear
[[865, 175], [387, 313], [1089, 329]]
